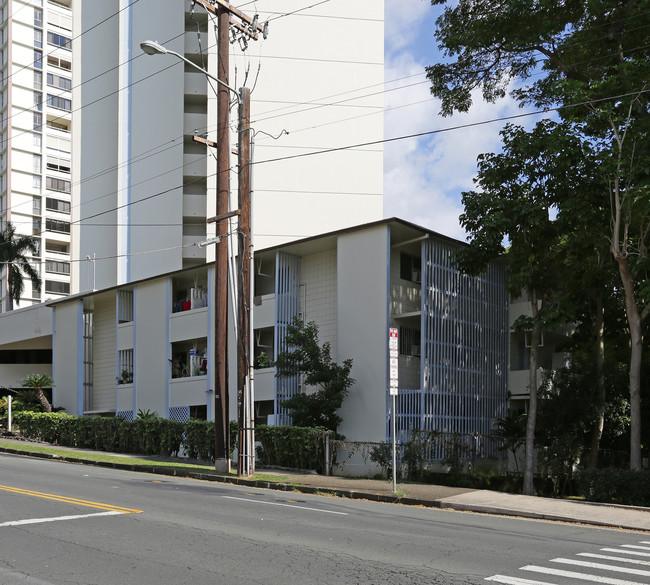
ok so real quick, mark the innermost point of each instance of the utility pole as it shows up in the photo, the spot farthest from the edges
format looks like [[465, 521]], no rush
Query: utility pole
[[245, 408], [248, 27]]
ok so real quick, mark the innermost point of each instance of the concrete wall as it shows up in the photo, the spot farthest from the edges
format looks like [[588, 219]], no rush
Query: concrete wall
[[104, 354], [362, 309], [68, 356]]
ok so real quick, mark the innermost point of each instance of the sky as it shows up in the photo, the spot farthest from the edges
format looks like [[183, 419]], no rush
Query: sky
[[424, 177]]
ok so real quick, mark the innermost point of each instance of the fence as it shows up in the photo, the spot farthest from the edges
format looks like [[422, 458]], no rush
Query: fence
[[424, 450]]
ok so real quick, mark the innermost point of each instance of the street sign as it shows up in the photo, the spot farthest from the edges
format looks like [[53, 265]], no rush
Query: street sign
[[393, 356]]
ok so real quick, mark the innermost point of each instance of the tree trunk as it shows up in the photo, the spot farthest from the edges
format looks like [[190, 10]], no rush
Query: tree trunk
[[529, 466], [599, 343], [636, 352], [43, 400]]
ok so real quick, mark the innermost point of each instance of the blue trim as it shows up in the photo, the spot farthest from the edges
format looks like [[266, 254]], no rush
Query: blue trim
[[168, 303], [54, 355], [128, 148], [209, 396], [117, 350], [135, 353], [80, 357], [387, 331]]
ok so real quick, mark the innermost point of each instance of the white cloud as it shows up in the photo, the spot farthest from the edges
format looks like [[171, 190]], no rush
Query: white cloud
[[424, 177]]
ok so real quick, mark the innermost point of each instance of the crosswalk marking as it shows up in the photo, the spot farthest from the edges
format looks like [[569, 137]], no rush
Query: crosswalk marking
[[515, 581], [626, 563], [627, 570], [574, 575], [626, 552], [619, 559]]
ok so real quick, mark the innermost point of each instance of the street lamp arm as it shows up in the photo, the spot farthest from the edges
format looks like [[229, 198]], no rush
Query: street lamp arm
[[154, 48]]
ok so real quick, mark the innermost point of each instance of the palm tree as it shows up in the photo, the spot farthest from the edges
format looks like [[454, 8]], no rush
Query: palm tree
[[13, 251], [37, 382]]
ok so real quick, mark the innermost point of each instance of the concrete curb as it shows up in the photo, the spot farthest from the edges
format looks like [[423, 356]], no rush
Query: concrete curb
[[337, 492]]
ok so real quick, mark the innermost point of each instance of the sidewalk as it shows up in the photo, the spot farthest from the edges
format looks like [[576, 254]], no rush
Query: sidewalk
[[434, 496]]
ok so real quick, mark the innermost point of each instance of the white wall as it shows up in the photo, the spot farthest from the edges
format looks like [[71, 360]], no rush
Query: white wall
[[68, 350], [362, 307], [104, 353]]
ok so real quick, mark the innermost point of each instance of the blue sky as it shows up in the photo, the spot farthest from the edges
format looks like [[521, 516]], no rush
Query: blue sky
[[424, 177]]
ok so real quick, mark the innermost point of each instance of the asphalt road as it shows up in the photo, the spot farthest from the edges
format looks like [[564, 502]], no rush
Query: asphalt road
[[72, 524]]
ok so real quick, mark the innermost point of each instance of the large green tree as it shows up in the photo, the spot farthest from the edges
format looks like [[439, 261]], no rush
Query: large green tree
[[590, 59], [511, 216], [14, 251]]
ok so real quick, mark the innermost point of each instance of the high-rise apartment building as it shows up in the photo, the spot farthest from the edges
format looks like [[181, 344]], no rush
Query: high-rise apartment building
[[35, 137], [144, 190]]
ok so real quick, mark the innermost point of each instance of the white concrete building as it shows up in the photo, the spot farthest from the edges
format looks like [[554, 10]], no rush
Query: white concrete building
[[35, 137], [145, 189], [149, 344]]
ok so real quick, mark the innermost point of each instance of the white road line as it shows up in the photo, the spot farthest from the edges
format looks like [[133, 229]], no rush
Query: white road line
[[285, 505], [583, 576], [610, 558], [578, 563], [514, 580], [57, 519], [635, 546], [626, 552]]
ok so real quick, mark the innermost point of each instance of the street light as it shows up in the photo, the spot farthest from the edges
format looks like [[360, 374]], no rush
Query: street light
[[154, 48], [245, 351]]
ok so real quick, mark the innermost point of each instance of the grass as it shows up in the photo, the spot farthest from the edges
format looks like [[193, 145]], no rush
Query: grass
[[98, 456]]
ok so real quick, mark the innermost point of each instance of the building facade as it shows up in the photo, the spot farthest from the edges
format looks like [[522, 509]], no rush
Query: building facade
[[148, 345], [36, 138], [145, 189]]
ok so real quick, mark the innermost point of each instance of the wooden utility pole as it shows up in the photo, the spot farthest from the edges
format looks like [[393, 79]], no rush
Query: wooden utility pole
[[248, 27], [244, 410]]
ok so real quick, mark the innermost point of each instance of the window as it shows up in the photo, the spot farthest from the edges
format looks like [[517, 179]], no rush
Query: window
[[38, 100], [125, 366], [36, 226], [57, 267], [409, 341], [56, 248], [36, 207], [125, 306], [38, 80], [38, 38], [59, 63], [59, 82], [59, 102], [58, 40], [37, 141], [410, 268], [38, 59], [57, 126], [56, 287], [37, 182], [37, 163], [38, 17], [55, 225], [60, 185], [38, 122], [57, 205], [54, 163]]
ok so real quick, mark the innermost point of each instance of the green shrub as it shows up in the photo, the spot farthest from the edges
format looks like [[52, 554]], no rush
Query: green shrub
[[296, 447], [617, 486]]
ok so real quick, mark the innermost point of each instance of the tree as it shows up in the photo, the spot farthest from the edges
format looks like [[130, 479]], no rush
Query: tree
[[512, 433], [510, 217], [37, 382], [589, 58], [13, 255], [306, 357]]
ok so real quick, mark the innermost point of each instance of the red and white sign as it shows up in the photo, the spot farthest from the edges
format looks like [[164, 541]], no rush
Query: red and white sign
[[393, 353]]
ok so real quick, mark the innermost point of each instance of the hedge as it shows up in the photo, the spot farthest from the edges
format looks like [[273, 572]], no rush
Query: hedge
[[616, 486], [294, 447]]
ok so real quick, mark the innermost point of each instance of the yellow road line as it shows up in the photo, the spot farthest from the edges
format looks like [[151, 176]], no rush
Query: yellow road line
[[67, 500]]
